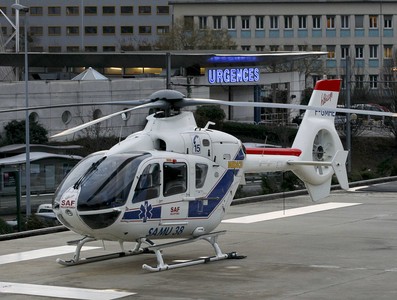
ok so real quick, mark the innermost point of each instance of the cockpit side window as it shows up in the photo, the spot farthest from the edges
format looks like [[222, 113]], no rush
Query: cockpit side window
[[148, 186], [175, 178], [201, 174]]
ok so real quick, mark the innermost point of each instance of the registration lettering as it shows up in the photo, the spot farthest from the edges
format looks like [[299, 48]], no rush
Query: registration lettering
[[165, 231], [325, 113]]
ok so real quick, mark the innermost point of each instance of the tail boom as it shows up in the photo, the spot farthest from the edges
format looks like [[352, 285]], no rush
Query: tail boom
[[317, 152]]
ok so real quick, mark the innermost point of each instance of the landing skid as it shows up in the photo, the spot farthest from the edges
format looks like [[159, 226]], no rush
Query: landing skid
[[76, 260], [152, 248], [210, 238]]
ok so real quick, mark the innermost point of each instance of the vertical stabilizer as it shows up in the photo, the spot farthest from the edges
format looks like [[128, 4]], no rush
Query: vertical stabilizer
[[322, 150]]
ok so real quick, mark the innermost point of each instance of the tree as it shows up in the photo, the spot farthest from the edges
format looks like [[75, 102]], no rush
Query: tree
[[15, 132], [187, 36], [211, 113]]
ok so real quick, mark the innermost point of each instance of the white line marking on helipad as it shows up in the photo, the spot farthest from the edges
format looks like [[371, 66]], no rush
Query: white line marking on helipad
[[60, 292], [288, 213], [34, 254]]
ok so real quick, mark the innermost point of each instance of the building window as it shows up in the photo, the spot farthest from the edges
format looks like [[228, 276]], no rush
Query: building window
[[162, 30], [302, 47], [72, 49], [163, 10], [388, 81], [359, 51], [145, 29], [274, 47], [72, 30], [373, 22], [359, 21], [54, 30], [344, 20], [245, 22], [388, 21], [72, 10], [36, 30], [145, 10], [66, 117], [273, 22], [36, 11], [302, 22], [126, 29], [188, 22], [359, 81], [108, 10], [288, 22], [245, 48], [53, 49], [259, 22], [90, 49], [331, 52], [260, 48], [90, 30], [316, 22], [217, 22], [373, 51], [90, 10], [54, 10], [388, 51], [331, 22], [126, 10], [108, 30], [373, 81], [288, 48], [231, 22], [202, 22], [316, 47], [109, 49], [344, 51]]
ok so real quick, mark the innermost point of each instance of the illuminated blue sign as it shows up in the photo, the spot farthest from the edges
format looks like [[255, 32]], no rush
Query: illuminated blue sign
[[233, 75], [233, 59]]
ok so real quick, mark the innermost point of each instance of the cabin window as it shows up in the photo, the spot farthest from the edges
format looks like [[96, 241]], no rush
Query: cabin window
[[175, 178], [201, 174], [148, 186]]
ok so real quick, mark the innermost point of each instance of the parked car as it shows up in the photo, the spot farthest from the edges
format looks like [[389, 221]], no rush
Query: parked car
[[45, 211]]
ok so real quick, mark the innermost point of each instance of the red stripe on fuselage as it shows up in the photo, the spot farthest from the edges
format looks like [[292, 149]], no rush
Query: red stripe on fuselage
[[274, 151]]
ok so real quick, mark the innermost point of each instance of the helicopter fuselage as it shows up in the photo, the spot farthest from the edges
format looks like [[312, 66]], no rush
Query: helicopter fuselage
[[171, 180]]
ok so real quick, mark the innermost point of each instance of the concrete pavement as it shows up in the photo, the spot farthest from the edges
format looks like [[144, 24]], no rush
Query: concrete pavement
[[294, 250]]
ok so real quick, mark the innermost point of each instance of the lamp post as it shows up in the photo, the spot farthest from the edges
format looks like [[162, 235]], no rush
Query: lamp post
[[22, 8]]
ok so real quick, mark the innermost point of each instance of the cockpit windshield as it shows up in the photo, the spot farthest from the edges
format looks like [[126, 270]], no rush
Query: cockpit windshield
[[104, 182], [110, 183]]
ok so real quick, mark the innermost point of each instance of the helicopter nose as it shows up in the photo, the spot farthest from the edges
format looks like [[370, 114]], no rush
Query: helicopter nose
[[66, 211]]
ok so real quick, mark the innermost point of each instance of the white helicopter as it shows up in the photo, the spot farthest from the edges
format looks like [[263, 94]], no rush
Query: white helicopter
[[174, 180]]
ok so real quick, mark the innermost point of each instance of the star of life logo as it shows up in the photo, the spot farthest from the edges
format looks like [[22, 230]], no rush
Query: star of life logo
[[145, 211]]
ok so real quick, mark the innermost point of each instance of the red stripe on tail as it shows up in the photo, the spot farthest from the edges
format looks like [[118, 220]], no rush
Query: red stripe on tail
[[274, 151]]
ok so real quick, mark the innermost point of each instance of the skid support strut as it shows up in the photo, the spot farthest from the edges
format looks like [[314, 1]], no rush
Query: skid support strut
[[210, 238]]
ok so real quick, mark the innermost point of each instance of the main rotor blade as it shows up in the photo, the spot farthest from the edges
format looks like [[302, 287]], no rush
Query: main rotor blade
[[122, 102], [201, 101], [156, 104]]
